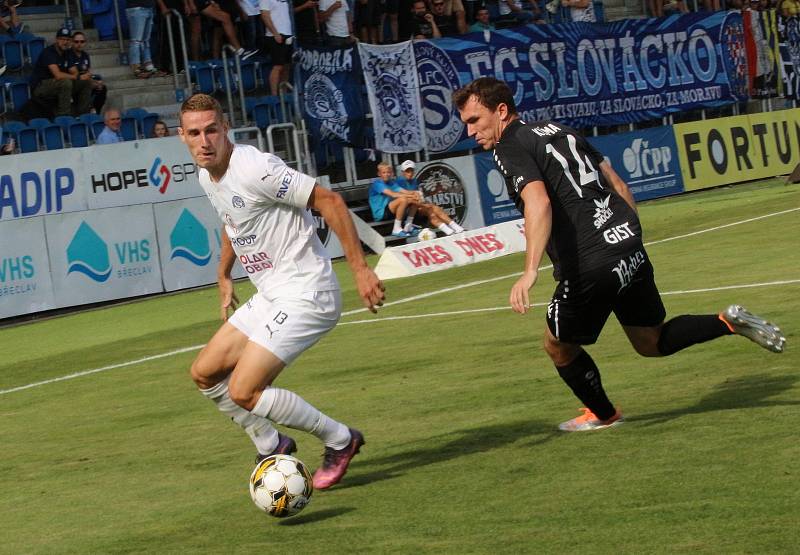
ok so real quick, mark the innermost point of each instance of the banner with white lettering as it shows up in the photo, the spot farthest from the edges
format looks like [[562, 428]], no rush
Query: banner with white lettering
[[330, 85], [585, 74], [25, 284], [189, 243], [456, 250], [100, 255], [139, 172], [390, 73], [41, 183]]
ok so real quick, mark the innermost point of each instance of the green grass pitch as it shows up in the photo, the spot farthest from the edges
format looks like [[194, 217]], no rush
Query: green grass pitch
[[459, 410]]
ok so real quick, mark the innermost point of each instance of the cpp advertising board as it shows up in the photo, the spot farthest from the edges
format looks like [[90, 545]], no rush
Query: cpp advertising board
[[25, 284], [139, 172], [189, 243], [647, 160], [41, 183], [100, 255], [739, 148]]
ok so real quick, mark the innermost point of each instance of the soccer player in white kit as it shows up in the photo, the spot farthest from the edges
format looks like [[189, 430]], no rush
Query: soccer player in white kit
[[269, 229]]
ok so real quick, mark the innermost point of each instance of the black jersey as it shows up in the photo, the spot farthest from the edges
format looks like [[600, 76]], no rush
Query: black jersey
[[592, 224]]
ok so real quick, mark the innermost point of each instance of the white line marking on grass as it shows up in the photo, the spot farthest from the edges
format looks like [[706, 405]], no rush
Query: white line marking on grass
[[515, 274], [498, 308], [103, 369], [426, 295]]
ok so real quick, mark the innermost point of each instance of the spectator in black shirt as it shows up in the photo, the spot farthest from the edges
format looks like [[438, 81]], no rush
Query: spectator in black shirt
[[577, 208], [8, 9], [52, 82], [423, 23], [305, 22], [447, 24], [81, 64]]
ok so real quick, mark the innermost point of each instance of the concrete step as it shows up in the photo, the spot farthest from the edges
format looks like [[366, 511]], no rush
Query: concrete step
[[125, 100], [131, 84]]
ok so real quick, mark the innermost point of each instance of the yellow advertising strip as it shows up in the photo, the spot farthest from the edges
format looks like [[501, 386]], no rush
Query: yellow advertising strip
[[739, 148]]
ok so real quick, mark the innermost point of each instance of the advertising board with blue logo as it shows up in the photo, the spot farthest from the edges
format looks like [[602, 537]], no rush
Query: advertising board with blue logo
[[41, 183], [189, 243], [25, 284], [496, 203], [94, 258], [145, 171], [647, 160]]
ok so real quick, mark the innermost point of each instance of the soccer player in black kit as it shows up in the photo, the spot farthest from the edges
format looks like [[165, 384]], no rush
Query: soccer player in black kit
[[578, 209]]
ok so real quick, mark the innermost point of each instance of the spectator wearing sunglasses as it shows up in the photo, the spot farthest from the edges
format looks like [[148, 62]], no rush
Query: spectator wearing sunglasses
[[81, 65]]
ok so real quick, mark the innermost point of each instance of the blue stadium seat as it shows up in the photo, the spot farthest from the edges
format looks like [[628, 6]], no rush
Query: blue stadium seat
[[13, 128], [28, 139], [262, 115], [146, 124], [39, 123], [97, 127], [249, 78], [13, 54], [94, 122], [52, 136], [19, 92], [203, 76], [64, 121], [129, 128], [34, 46], [78, 133]]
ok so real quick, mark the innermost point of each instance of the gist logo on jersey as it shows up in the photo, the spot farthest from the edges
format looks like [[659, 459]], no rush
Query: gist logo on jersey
[[440, 184]]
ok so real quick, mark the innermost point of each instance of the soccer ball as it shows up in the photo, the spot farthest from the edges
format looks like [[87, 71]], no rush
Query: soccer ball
[[426, 234], [281, 485]]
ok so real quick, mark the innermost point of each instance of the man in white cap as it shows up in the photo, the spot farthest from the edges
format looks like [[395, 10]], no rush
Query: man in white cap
[[437, 217]]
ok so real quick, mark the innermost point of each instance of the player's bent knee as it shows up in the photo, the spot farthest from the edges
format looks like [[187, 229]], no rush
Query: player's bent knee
[[243, 396], [200, 375]]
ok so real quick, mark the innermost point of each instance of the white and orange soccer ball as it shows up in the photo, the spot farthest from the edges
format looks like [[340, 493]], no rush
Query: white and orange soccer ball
[[281, 485], [426, 234]]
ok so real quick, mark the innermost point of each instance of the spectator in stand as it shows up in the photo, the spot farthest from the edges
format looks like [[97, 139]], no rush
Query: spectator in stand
[[278, 22], [236, 15], [434, 213], [423, 23], [12, 26], [390, 8], [140, 28], [368, 19], [52, 82], [482, 22], [250, 25], [212, 11], [111, 132], [8, 148], [385, 193], [160, 129], [306, 22], [335, 14], [581, 10], [447, 24], [455, 8], [511, 12], [81, 64]]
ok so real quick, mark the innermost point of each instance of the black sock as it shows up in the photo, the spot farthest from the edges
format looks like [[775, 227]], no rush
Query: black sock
[[684, 331], [583, 378]]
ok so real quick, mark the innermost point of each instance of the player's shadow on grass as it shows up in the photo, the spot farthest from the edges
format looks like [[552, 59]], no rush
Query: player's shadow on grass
[[315, 516], [438, 449], [732, 394]]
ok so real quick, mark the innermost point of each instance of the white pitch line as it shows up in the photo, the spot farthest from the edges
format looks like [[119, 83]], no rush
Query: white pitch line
[[424, 296], [498, 308]]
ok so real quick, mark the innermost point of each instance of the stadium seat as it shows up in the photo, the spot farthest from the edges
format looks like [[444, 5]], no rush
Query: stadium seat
[[13, 54], [203, 76], [146, 124], [52, 136], [13, 128], [39, 123], [28, 139], [262, 115], [95, 123], [78, 133], [129, 128], [64, 121], [19, 92], [34, 46], [249, 78]]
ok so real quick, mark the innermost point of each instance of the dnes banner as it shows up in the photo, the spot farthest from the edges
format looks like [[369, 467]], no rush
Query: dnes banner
[[585, 74]]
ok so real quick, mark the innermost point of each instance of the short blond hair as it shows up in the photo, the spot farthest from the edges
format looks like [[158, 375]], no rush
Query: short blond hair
[[202, 103], [385, 166]]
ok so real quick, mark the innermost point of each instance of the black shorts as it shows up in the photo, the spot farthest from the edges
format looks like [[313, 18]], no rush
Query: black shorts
[[390, 6], [368, 14], [581, 305], [281, 54]]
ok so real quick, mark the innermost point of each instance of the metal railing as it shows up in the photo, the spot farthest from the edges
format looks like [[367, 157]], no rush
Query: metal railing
[[180, 93], [228, 93]]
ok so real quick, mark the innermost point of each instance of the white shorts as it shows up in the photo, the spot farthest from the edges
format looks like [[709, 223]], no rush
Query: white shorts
[[288, 326]]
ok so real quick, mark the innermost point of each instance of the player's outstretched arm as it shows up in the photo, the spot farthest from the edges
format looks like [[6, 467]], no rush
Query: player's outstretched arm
[[227, 296], [538, 222], [334, 211], [618, 183]]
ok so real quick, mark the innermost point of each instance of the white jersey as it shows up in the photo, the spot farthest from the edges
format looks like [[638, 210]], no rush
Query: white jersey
[[263, 204]]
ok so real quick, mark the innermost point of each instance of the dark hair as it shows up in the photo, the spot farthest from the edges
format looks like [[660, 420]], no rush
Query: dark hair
[[489, 91]]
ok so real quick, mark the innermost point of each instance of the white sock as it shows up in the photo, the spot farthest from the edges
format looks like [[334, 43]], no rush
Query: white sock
[[444, 228], [289, 409], [398, 226], [455, 227], [409, 224], [261, 432]]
